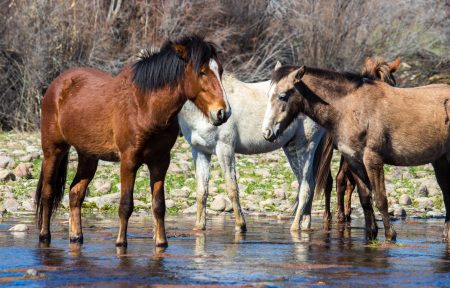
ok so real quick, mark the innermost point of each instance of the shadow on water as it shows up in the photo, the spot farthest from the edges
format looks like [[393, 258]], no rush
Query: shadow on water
[[267, 255]]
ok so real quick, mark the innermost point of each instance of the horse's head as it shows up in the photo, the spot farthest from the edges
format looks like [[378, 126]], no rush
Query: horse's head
[[379, 69], [191, 65], [203, 78], [282, 106]]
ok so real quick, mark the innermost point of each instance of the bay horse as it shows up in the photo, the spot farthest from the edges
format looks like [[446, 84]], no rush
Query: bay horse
[[131, 118], [371, 123], [375, 69], [241, 134]]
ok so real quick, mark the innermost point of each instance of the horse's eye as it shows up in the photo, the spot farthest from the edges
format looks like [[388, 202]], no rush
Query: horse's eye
[[283, 97]]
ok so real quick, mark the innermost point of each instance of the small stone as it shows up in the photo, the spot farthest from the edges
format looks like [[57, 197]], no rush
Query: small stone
[[36, 155], [228, 206], [392, 200], [280, 194], [180, 193], [400, 211], [18, 153], [405, 199], [262, 172], [102, 186], [22, 171], [102, 201], [294, 185], [425, 203], [5, 161], [190, 210], [5, 175], [219, 203], [422, 191], [31, 273], [11, 205], [28, 205], [432, 187], [26, 158], [19, 228], [170, 203], [435, 214]]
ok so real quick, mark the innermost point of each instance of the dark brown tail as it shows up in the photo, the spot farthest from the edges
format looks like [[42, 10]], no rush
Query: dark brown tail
[[58, 189], [322, 163]]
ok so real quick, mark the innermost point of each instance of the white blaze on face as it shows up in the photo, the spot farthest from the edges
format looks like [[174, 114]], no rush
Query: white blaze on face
[[215, 68], [269, 110]]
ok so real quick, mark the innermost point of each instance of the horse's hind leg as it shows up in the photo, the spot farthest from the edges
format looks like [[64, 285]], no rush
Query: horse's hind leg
[[341, 181], [85, 172], [348, 195], [225, 154], [53, 173], [327, 192], [367, 205], [202, 165], [442, 172]]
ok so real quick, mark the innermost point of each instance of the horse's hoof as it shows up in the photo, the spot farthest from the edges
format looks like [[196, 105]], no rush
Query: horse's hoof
[[347, 218], [391, 236], [76, 239], [162, 244], [372, 234], [340, 218], [199, 228], [46, 238], [122, 244], [240, 228]]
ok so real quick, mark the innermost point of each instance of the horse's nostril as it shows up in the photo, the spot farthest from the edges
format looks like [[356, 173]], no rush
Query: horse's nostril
[[267, 134], [221, 114]]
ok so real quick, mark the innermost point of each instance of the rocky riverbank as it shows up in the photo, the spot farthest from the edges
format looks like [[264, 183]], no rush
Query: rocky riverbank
[[267, 185]]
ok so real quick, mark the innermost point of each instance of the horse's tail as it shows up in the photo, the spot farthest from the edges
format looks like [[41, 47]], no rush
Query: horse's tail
[[322, 163], [58, 189]]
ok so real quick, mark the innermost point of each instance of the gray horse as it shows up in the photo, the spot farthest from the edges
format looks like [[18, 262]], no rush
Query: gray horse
[[242, 134]]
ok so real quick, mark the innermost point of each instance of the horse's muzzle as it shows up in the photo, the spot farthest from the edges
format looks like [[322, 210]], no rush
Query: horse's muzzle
[[218, 117], [269, 135]]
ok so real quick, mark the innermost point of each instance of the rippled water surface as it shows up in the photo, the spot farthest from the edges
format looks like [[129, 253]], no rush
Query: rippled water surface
[[269, 255]]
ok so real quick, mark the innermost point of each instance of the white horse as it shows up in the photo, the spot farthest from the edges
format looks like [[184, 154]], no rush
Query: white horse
[[242, 134]]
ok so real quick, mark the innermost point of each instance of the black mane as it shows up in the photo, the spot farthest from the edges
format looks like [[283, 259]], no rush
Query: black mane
[[354, 78], [166, 68]]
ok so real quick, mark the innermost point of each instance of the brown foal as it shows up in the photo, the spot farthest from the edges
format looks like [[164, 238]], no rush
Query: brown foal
[[375, 69], [371, 124], [131, 118]]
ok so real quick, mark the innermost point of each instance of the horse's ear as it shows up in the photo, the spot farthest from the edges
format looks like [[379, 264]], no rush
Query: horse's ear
[[180, 50], [299, 74], [393, 66], [277, 66]]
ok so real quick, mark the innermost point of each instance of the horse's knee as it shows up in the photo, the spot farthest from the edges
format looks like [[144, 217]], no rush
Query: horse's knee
[[159, 207], [126, 207]]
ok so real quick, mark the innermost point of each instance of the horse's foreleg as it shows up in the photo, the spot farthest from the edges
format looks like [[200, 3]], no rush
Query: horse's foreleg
[[306, 192], [442, 172], [366, 202], [158, 170], [225, 154], [327, 192], [85, 172], [202, 165], [127, 176], [374, 168]]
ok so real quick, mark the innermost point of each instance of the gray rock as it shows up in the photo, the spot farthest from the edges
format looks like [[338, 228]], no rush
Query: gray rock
[[280, 194], [400, 211], [180, 193], [18, 153], [170, 203], [432, 187], [26, 158], [425, 203], [19, 228], [262, 172], [28, 205], [405, 199], [219, 203], [22, 171], [190, 210], [31, 273], [422, 191], [11, 205], [5, 161], [104, 200], [435, 214], [102, 186], [5, 175], [229, 205], [36, 155]]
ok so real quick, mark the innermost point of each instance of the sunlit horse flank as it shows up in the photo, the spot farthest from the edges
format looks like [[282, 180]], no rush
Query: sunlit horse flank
[[372, 124], [375, 69], [241, 134], [131, 118]]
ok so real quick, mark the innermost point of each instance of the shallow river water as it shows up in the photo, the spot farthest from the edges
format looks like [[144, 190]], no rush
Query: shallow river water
[[268, 255]]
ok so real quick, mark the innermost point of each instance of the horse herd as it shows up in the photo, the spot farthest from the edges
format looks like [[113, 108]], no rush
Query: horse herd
[[135, 118]]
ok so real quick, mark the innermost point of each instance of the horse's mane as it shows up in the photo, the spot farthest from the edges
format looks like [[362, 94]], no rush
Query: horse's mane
[[378, 69], [352, 78], [165, 67]]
